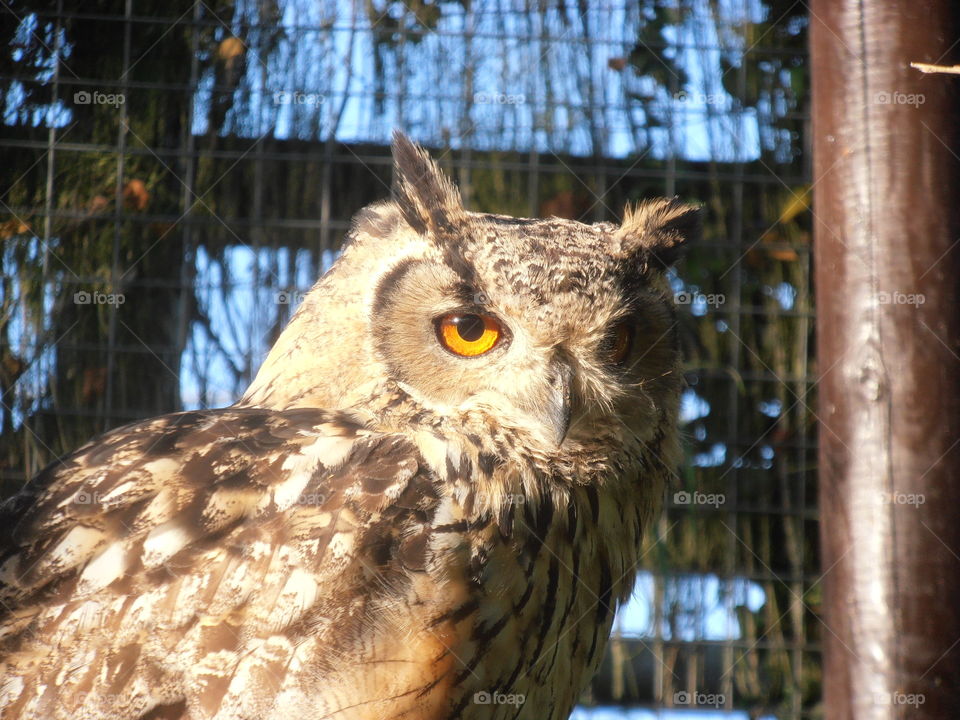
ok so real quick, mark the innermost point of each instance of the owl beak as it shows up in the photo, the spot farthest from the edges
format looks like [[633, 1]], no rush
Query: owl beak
[[560, 406]]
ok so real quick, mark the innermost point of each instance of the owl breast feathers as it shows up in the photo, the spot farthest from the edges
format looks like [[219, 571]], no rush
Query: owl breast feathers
[[427, 505]]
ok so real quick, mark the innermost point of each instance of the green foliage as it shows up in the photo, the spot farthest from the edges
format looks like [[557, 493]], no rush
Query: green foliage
[[196, 160]]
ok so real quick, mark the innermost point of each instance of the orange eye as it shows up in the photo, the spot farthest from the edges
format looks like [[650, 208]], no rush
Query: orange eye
[[468, 334], [617, 345]]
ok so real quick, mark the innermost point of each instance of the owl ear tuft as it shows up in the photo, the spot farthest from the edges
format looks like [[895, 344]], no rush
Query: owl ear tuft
[[427, 198], [659, 230]]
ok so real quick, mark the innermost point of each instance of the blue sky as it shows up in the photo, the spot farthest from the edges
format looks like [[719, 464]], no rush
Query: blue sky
[[704, 123]]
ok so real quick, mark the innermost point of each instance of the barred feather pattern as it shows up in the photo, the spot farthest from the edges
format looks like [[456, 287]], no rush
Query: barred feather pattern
[[247, 563], [381, 528]]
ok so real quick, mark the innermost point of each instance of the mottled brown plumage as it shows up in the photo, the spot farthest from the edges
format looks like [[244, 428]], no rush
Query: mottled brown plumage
[[381, 528]]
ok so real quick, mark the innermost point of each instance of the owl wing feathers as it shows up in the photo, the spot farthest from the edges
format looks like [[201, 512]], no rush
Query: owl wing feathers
[[204, 553]]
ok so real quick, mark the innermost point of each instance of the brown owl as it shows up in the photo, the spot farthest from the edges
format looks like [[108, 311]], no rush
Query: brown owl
[[427, 505]]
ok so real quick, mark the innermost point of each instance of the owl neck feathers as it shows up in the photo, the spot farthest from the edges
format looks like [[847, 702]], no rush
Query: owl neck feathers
[[480, 452]]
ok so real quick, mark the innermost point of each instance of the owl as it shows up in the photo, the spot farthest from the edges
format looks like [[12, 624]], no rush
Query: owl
[[427, 505]]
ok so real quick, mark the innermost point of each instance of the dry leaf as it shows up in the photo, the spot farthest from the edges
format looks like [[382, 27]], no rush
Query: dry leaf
[[94, 383], [98, 203], [135, 195], [230, 48]]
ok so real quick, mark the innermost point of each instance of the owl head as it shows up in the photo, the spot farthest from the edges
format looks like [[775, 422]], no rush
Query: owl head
[[562, 329]]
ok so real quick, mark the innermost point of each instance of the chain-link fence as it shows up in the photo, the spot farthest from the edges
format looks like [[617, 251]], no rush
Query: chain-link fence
[[178, 174]]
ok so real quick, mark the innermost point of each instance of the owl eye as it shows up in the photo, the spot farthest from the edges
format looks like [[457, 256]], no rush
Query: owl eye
[[617, 345], [468, 334]]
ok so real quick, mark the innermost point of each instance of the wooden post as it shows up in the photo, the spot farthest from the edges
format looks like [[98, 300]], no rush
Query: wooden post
[[887, 259]]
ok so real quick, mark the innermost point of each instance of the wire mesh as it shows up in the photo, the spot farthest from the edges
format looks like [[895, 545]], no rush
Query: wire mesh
[[178, 174]]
